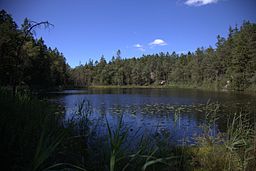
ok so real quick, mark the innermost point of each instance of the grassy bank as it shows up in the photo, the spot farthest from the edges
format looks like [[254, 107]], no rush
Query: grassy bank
[[172, 85], [207, 87], [141, 86], [125, 86]]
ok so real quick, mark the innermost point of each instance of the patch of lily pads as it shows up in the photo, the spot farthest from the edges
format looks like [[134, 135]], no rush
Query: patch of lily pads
[[164, 109]]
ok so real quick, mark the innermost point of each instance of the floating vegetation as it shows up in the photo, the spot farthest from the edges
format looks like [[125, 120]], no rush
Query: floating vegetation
[[160, 109], [120, 146]]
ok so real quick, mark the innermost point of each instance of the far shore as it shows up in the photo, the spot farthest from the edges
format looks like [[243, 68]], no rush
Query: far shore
[[181, 86]]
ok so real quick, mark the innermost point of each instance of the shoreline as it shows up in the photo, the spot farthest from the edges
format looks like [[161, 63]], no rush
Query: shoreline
[[191, 87]]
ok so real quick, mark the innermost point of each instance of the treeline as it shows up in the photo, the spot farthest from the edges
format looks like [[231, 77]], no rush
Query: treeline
[[231, 65], [27, 62]]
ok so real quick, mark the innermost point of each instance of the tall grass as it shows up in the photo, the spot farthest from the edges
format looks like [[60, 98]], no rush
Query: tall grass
[[234, 149], [148, 154], [34, 137], [116, 139], [31, 132], [230, 150]]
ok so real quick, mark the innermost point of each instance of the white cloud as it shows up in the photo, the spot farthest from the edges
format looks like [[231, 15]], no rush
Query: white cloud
[[199, 2], [138, 46], [158, 42]]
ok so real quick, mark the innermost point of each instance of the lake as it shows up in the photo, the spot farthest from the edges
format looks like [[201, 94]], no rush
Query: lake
[[175, 114]]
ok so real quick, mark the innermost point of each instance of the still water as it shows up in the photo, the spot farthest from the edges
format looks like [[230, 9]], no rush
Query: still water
[[175, 113]]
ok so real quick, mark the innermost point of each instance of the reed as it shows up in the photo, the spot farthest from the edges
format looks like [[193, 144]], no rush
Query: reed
[[34, 137], [31, 132], [231, 150]]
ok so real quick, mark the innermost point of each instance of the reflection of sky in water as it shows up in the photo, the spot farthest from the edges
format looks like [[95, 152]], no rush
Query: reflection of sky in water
[[137, 107]]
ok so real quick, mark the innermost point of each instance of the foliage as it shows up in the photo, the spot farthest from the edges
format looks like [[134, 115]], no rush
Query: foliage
[[33, 136], [30, 132], [26, 61], [231, 65], [232, 150]]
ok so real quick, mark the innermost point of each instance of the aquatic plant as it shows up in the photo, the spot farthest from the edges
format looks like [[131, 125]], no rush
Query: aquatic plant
[[32, 133], [34, 137], [231, 150], [116, 139]]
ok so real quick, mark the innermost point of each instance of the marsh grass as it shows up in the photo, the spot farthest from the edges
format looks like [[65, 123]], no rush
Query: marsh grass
[[231, 150], [214, 150], [34, 137], [116, 139], [20, 128], [150, 153], [32, 133]]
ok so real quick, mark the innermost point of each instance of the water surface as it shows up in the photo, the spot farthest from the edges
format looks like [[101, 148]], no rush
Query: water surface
[[174, 113]]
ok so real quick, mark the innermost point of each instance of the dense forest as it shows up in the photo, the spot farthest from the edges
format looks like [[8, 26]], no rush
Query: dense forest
[[28, 62], [231, 65], [71, 132]]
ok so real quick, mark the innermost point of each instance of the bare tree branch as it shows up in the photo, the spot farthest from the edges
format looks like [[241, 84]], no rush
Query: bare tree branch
[[36, 24]]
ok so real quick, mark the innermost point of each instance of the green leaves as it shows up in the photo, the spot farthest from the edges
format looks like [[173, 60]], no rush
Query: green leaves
[[27, 61], [48, 143], [116, 138], [232, 65]]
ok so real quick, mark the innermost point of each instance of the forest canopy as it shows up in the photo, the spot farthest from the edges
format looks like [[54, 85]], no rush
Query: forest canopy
[[231, 65], [26, 61]]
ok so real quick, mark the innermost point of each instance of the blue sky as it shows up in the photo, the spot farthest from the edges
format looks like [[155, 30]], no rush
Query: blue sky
[[87, 29]]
